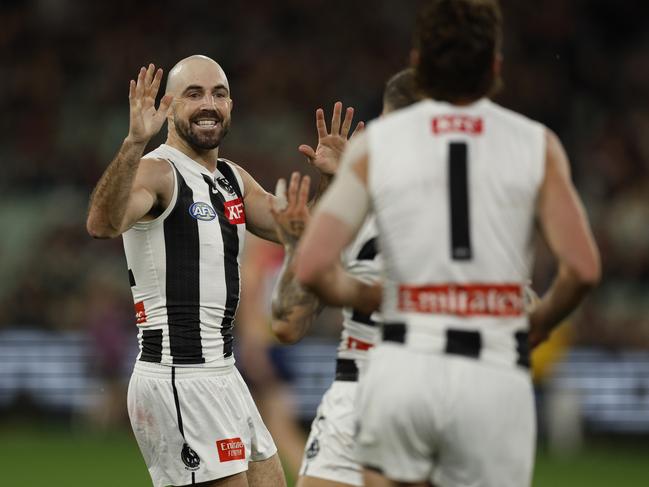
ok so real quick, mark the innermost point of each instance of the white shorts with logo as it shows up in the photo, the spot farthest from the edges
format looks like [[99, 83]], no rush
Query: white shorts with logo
[[450, 420], [329, 450], [195, 424]]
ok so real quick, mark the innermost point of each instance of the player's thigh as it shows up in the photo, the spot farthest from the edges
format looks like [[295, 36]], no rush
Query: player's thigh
[[491, 436], [372, 478], [266, 473], [305, 481], [237, 480]]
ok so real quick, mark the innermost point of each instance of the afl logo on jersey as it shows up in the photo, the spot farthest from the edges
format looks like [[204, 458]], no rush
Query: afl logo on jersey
[[202, 211]]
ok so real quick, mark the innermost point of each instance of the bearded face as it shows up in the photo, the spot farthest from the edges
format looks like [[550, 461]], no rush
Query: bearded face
[[204, 129]]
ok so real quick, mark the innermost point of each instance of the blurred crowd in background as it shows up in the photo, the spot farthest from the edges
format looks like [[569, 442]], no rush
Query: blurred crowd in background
[[580, 67]]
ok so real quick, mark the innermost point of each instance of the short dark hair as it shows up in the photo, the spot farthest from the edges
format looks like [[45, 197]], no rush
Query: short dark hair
[[401, 90], [457, 42]]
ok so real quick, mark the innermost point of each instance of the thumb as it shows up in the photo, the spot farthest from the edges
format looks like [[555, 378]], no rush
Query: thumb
[[165, 103], [307, 151]]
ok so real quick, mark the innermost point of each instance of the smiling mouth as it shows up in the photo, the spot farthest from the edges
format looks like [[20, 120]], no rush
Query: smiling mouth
[[206, 123]]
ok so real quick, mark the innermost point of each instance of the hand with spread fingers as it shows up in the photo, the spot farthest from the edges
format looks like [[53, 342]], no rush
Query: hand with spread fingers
[[145, 119], [326, 155], [290, 211]]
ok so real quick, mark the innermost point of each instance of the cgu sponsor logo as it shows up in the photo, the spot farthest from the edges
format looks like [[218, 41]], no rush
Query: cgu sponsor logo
[[140, 313], [202, 211], [231, 449], [234, 211], [464, 124], [463, 300]]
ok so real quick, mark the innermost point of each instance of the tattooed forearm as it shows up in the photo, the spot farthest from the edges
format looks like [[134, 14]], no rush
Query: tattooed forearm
[[293, 305]]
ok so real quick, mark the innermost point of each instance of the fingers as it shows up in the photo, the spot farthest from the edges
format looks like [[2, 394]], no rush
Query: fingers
[[148, 77], [303, 194], [307, 151], [347, 122], [280, 196], [359, 128], [292, 189], [131, 90], [320, 124], [335, 119], [155, 84], [139, 85]]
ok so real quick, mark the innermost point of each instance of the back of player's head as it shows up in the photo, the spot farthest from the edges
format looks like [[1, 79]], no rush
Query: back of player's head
[[457, 42], [400, 91]]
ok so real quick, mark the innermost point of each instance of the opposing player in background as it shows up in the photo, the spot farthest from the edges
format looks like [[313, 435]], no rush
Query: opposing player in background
[[329, 456], [456, 184], [183, 212]]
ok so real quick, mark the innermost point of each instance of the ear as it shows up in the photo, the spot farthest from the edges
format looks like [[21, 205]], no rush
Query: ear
[[498, 64], [414, 57]]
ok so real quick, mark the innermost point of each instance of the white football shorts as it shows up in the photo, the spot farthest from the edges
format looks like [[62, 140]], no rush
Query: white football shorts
[[329, 450], [195, 424], [450, 420]]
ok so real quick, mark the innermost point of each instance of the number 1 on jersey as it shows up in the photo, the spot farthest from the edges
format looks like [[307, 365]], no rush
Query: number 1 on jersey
[[459, 201]]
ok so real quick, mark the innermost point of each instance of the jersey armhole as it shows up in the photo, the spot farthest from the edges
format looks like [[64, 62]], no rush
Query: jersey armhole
[[235, 171], [145, 225]]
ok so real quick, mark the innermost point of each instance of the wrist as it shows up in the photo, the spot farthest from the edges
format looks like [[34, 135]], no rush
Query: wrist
[[134, 142]]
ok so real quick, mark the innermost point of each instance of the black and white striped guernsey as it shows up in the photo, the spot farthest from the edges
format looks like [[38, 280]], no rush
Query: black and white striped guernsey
[[184, 266]]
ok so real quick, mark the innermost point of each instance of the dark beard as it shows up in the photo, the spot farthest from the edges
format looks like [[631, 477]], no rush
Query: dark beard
[[201, 142]]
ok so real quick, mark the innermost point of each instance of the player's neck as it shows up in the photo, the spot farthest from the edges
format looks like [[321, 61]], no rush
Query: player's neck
[[206, 158]]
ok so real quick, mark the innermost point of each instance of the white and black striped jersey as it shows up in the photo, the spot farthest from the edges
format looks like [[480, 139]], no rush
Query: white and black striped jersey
[[454, 192], [363, 260], [184, 265]]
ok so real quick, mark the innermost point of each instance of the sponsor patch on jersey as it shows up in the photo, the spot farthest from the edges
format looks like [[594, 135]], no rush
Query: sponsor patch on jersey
[[356, 344], [463, 299], [313, 449], [202, 211], [464, 124], [231, 449], [140, 313], [234, 211]]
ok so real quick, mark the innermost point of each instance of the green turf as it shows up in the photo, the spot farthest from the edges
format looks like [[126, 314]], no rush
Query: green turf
[[32, 457]]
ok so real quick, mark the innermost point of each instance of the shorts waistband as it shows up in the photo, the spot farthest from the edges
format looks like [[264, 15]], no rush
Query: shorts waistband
[[346, 370], [466, 343], [161, 371]]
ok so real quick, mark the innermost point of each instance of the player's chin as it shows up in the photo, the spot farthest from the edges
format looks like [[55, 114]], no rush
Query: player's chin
[[207, 140]]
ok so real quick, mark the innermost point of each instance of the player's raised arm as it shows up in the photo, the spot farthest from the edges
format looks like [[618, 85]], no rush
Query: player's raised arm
[[336, 222], [293, 307], [325, 157], [130, 188], [565, 227]]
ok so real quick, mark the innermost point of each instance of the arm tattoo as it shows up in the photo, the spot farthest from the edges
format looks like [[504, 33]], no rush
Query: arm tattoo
[[289, 296]]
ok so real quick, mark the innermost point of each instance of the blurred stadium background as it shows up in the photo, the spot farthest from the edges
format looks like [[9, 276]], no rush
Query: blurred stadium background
[[67, 334]]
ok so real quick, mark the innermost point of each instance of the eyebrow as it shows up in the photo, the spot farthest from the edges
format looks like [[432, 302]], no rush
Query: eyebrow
[[198, 87]]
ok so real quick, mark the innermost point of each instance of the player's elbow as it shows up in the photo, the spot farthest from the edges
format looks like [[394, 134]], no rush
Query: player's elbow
[[98, 230], [588, 272]]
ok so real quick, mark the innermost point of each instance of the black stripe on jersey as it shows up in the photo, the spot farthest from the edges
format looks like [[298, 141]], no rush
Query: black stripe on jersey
[[225, 169], [459, 199], [151, 346], [523, 349], [183, 279], [131, 278], [230, 235], [369, 251]]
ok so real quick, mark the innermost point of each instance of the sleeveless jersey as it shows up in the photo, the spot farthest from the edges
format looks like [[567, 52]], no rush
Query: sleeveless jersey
[[363, 260], [184, 266], [454, 190]]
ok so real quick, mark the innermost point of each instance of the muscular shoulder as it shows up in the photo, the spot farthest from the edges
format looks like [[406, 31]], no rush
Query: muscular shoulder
[[157, 176]]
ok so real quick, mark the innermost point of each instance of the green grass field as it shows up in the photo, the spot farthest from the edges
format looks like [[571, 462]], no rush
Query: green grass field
[[51, 457]]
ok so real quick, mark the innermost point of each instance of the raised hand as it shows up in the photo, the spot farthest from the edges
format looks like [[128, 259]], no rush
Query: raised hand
[[326, 155], [145, 120], [290, 211]]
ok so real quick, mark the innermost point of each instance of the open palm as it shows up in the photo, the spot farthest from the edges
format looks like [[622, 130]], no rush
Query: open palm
[[326, 156], [145, 119]]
